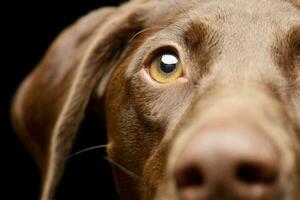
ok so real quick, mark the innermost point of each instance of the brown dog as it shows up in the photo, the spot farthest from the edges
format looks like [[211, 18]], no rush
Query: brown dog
[[201, 98]]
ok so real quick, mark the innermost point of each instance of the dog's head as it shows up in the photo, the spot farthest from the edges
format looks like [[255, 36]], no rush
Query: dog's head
[[201, 99]]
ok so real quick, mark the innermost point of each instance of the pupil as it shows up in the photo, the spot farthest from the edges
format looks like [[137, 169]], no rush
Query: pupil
[[168, 63]]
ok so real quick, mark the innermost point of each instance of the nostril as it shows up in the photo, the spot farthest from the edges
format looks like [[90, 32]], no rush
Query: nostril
[[256, 173], [189, 177]]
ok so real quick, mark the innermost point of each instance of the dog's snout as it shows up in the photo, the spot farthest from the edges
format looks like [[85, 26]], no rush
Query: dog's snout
[[233, 163]]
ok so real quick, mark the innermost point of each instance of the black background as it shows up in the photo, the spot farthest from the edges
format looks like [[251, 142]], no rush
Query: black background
[[28, 28]]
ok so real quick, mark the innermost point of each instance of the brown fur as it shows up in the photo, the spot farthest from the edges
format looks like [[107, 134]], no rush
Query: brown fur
[[241, 66]]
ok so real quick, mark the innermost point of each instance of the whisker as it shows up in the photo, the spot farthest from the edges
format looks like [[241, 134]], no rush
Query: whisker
[[138, 33], [87, 149], [143, 31], [122, 168]]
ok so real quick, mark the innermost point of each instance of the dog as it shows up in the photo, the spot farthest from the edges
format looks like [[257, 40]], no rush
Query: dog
[[201, 99]]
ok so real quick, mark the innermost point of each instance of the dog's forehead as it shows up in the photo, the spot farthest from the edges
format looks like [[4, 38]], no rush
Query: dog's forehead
[[235, 20], [214, 11], [243, 23], [251, 26]]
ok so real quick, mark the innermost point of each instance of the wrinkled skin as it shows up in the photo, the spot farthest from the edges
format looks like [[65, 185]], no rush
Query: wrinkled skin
[[241, 63]]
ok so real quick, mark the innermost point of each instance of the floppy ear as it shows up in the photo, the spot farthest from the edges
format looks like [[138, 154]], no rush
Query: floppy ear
[[51, 102]]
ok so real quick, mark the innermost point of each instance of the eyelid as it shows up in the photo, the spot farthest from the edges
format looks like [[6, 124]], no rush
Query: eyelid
[[159, 51]]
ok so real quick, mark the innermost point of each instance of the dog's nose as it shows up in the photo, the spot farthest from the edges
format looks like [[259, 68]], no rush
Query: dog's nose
[[227, 164]]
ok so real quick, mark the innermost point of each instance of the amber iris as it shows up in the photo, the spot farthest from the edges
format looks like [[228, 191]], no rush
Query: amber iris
[[165, 68]]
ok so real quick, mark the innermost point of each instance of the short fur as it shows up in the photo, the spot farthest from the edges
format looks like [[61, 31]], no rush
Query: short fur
[[244, 53]]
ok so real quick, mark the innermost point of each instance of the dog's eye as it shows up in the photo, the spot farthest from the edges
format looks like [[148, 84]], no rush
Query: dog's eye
[[165, 68]]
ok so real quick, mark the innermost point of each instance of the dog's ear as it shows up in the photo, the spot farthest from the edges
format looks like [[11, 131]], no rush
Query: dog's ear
[[51, 102]]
